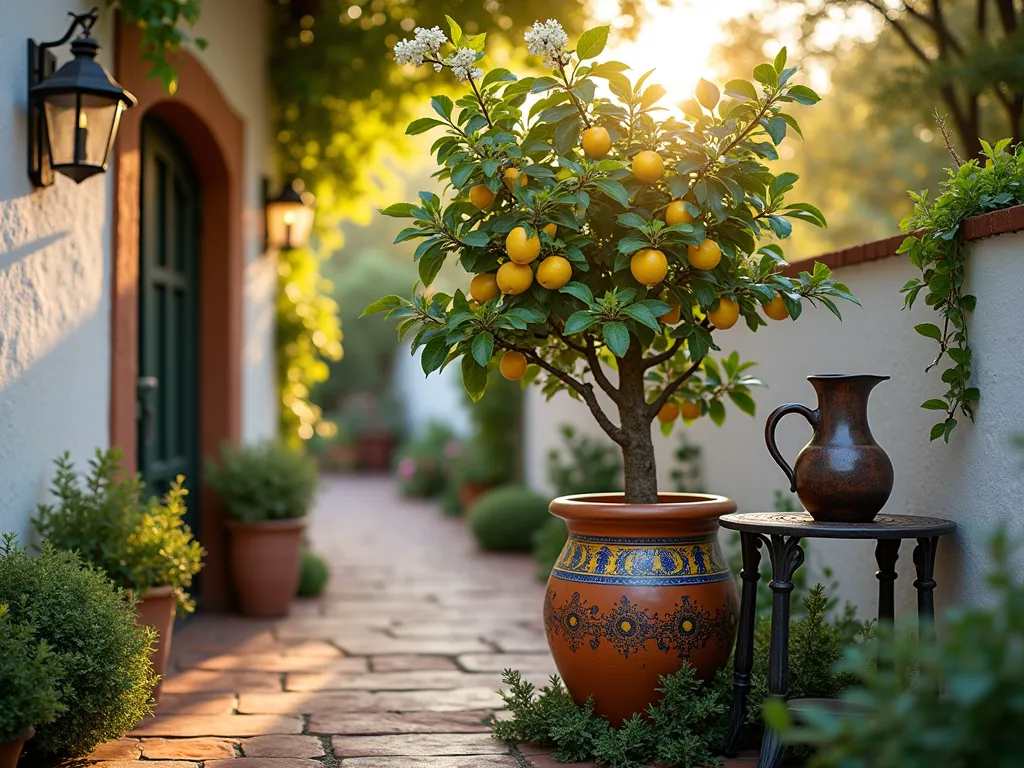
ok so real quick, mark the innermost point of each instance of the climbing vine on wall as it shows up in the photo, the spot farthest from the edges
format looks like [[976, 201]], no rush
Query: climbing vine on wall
[[308, 334], [161, 34], [935, 247]]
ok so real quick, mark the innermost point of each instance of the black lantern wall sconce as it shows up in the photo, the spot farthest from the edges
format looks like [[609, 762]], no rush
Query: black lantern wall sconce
[[73, 112], [290, 216]]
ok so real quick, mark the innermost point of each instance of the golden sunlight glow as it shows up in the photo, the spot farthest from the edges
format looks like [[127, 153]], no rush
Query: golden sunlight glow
[[676, 40]]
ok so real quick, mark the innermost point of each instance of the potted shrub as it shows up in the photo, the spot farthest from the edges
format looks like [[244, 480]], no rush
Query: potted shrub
[[475, 472], [611, 247], [142, 544], [28, 686], [106, 678], [422, 467], [375, 424], [267, 490]]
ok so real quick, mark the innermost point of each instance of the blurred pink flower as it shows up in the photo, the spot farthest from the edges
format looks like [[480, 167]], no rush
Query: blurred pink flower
[[407, 468], [452, 449]]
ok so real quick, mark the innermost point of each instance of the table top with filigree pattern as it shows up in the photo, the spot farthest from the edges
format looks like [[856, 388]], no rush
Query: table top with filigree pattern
[[803, 525]]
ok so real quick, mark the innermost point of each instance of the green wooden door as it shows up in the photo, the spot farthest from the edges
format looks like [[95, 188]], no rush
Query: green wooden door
[[168, 316]]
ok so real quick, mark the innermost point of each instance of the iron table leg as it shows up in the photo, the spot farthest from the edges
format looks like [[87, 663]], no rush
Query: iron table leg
[[924, 562], [887, 552], [786, 556], [750, 545]]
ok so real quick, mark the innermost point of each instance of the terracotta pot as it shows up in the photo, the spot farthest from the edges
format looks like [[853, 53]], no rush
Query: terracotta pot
[[637, 590], [375, 452], [842, 475], [265, 562], [469, 493], [156, 609], [10, 751]]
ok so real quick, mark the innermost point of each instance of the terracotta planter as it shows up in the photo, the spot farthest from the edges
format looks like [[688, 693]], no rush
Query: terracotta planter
[[636, 591], [265, 562], [10, 751], [469, 493], [375, 452], [156, 609]]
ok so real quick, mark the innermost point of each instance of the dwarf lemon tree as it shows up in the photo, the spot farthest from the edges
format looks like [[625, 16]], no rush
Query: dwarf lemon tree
[[654, 220]]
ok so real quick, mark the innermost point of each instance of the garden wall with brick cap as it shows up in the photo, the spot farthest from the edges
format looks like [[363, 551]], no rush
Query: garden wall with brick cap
[[977, 480]]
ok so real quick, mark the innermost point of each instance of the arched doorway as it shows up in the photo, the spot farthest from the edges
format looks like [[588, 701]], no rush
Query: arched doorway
[[168, 387]]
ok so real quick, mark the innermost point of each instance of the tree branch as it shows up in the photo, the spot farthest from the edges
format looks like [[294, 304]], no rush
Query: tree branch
[[586, 391], [901, 30], [598, 371], [671, 389], [654, 360]]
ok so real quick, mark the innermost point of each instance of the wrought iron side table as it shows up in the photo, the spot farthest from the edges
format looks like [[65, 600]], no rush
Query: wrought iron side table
[[780, 533]]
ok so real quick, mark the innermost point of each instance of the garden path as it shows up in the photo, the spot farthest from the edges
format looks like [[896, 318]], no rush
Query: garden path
[[396, 666]]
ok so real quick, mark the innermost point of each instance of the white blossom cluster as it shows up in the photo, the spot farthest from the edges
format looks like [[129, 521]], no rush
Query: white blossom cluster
[[548, 40], [426, 45], [461, 63]]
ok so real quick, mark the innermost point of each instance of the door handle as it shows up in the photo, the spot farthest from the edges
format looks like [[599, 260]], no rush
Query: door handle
[[145, 385]]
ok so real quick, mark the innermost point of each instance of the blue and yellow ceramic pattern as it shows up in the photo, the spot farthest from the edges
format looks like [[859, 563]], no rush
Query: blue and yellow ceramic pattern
[[641, 562]]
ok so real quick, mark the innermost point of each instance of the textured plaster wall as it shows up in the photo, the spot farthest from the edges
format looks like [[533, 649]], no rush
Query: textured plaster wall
[[977, 480], [55, 247], [236, 58]]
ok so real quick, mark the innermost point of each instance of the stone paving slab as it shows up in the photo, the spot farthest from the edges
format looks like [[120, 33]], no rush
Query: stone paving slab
[[417, 745], [478, 761], [187, 749], [410, 663], [218, 725], [272, 662], [282, 746], [381, 723]]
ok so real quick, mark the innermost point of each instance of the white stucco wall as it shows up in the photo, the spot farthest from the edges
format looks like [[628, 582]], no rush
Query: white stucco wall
[[55, 259], [236, 57], [977, 480], [55, 247]]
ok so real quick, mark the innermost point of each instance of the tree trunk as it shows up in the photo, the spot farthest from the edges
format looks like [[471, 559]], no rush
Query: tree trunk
[[639, 469]]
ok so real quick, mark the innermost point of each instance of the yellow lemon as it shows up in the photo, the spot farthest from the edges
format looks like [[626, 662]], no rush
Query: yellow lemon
[[554, 272], [691, 410], [520, 248], [551, 229], [513, 365], [776, 309], [669, 411], [673, 316], [514, 278], [649, 266], [481, 196], [676, 213], [484, 287], [512, 175], [596, 142], [726, 315], [648, 166], [704, 256]]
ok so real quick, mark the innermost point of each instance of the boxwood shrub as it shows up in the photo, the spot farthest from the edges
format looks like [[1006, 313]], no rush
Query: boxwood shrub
[[28, 679], [505, 519], [103, 656]]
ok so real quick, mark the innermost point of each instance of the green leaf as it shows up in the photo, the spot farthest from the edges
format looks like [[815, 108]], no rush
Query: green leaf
[[456, 30], [422, 125], [614, 190], [804, 95], [435, 352], [383, 304], [715, 408], [474, 378], [399, 210], [743, 401], [579, 322], [443, 106], [592, 43], [461, 174], [780, 60], [766, 75], [616, 336], [935, 405], [651, 96], [930, 330], [938, 430], [628, 245], [708, 93], [483, 347], [476, 239], [642, 315], [742, 90], [430, 265], [580, 291]]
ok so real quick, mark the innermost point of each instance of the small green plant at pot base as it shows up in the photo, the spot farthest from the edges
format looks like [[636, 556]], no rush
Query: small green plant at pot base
[[504, 520], [105, 516], [685, 728], [103, 656], [935, 246], [314, 574], [29, 679], [422, 466], [264, 481], [955, 701]]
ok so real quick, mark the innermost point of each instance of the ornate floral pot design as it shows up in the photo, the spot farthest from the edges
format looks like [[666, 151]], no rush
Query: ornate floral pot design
[[636, 591]]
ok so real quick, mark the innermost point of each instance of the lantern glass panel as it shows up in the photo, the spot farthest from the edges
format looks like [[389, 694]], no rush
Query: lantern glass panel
[[80, 128]]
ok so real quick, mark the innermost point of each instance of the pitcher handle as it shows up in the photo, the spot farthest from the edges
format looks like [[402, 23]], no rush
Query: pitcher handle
[[769, 435]]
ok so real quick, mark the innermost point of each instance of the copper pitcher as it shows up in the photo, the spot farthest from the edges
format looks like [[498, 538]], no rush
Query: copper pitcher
[[842, 474]]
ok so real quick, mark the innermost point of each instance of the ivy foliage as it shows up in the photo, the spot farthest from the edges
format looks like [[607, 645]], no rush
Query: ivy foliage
[[307, 335], [935, 246], [955, 701], [162, 34], [604, 214], [105, 516], [29, 676], [106, 677]]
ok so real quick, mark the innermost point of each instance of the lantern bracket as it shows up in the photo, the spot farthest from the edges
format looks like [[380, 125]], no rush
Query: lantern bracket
[[41, 65]]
